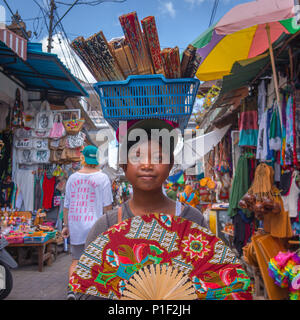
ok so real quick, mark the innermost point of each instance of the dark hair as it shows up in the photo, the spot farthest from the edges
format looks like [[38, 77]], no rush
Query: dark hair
[[149, 137]]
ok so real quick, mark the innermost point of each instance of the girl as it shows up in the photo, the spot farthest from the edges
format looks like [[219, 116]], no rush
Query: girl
[[147, 168]]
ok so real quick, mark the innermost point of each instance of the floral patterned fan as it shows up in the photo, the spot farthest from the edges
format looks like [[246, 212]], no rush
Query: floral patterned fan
[[110, 263]]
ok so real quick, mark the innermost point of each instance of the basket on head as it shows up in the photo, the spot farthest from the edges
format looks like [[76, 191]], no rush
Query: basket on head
[[148, 97]]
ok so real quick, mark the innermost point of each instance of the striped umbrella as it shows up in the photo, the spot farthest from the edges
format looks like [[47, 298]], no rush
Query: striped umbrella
[[246, 31]]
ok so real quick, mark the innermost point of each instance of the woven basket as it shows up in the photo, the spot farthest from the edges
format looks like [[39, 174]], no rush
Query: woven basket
[[73, 126]]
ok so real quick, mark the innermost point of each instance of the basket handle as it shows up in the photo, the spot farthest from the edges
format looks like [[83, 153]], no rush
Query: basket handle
[[45, 106], [76, 116], [58, 117]]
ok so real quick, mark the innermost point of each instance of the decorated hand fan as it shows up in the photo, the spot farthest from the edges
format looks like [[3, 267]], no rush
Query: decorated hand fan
[[159, 256]]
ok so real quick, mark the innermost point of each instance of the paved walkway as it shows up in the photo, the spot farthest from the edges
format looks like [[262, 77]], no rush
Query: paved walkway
[[51, 284]]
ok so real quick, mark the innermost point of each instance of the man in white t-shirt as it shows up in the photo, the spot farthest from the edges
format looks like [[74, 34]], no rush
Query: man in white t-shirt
[[88, 196]]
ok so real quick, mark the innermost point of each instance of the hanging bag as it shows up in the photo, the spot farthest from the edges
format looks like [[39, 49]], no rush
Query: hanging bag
[[40, 144], [23, 143], [56, 156], [41, 156], [29, 118], [75, 141], [44, 121], [58, 129], [23, 133], [25, 156], [74, 125]]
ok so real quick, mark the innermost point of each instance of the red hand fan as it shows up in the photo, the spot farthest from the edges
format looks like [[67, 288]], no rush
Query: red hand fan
[[160, 256]]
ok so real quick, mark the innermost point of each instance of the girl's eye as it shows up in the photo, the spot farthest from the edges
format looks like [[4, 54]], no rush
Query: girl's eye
[[156, 158], [134, 158]]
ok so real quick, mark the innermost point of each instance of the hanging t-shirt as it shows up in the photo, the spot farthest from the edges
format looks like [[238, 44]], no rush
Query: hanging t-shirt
[[262, 142], [86, 195], [261, 99]]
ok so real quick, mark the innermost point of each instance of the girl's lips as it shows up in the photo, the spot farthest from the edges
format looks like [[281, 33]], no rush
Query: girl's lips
[[147, 178]]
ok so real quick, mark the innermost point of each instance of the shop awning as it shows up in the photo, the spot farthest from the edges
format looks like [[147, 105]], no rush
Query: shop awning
[[243, 72], [40, 71]]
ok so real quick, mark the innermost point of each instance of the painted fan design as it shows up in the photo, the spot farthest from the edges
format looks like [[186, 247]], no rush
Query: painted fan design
[[154, 249]]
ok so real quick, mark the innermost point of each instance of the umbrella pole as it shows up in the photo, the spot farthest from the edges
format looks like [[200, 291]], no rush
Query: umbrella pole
[[274, 71]]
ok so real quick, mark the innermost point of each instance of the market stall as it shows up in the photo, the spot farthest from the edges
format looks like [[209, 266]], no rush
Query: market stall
[[264, 164], [40, 146]]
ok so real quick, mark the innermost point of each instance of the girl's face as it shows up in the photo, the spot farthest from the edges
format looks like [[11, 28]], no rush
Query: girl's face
[[147, 167]]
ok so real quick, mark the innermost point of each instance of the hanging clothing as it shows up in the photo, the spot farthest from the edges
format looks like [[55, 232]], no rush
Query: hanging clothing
[[278, 224], [261, 99], [6, 193], [248, 123], [48, 191], [289, 140], [240, 186], [263, 151], [242, 231], [283, 140], [275, 130], [25, 182], [290, 200], [297, 125], [6, 155], [285, 182], [262, 142], [38, 191]]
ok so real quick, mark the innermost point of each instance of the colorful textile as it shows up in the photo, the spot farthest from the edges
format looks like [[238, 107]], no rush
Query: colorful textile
[[152, 43], [284, 269], [133, 34], [297, 125], [283, 140], [189, 197], [275, 130], [116, 255], [248, 124], [240, 186], [48, 191]]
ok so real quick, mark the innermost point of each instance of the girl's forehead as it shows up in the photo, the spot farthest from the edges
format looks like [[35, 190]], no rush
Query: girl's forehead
[[147, 145]]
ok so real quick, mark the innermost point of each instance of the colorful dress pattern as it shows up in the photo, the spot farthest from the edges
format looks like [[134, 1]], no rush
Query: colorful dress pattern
[[109, 261]]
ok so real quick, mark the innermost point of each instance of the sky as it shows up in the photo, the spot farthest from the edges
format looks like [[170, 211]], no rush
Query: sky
[[179, 22]]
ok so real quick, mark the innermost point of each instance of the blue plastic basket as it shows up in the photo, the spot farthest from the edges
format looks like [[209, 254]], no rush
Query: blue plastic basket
[[148, 97]]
